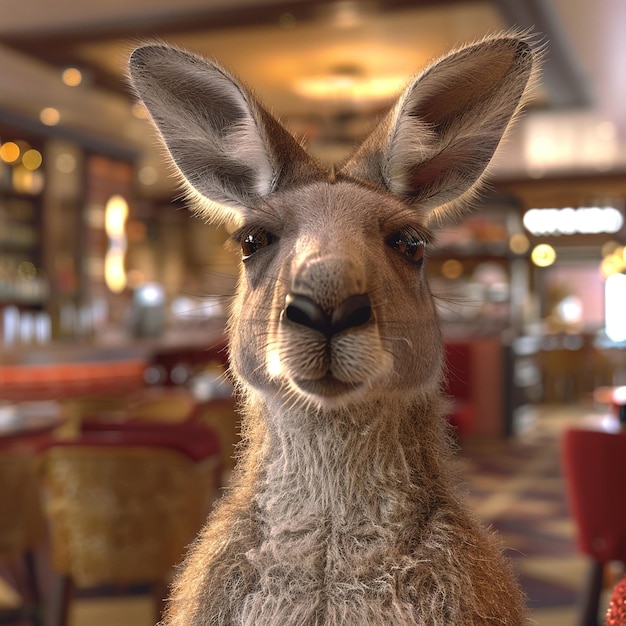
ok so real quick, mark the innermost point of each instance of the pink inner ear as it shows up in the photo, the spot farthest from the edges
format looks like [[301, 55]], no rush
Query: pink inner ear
[[422, 176], [467, 84], [458, 163]]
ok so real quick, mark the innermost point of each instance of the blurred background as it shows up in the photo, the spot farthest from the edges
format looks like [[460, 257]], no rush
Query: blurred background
[[109, 288]]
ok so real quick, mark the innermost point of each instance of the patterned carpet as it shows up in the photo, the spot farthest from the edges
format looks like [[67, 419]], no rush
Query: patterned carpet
[[517, 488]]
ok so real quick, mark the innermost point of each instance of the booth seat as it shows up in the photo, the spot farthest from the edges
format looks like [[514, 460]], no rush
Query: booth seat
[[196, 441], [462, 414], [476, 384]]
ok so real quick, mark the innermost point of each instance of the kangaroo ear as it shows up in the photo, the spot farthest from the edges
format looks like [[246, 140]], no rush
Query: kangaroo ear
[[434, 146], [229, 150]]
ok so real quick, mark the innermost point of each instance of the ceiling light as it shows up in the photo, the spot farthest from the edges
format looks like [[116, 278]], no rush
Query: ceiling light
[[340, 86], [568, 221]]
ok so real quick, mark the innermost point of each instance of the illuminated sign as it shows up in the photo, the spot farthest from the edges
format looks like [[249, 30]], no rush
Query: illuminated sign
[[569, 221]]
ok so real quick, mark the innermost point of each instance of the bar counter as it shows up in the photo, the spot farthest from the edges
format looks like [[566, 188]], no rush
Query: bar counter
[[108, 364]]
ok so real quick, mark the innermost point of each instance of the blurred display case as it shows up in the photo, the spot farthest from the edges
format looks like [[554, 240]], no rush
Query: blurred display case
[[478, 270], [22, 280]]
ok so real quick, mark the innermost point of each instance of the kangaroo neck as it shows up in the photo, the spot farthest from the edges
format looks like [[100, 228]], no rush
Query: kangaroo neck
[[365, 462], [342, 500]]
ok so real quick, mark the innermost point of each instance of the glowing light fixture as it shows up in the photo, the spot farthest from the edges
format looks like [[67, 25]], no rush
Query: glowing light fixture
[[115, 215], [543, 255], [342, 86], [568, 221]]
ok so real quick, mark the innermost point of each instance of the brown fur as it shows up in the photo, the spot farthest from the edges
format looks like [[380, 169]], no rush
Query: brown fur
[[343, 508]]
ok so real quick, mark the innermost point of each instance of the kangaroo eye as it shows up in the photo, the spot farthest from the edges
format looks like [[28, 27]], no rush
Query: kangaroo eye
[[254, 241], [409, 244]]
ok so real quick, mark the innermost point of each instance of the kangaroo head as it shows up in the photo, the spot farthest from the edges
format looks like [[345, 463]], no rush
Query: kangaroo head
[[333, 306]]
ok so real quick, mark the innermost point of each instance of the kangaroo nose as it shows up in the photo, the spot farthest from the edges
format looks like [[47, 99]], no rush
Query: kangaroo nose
[[352, 312]]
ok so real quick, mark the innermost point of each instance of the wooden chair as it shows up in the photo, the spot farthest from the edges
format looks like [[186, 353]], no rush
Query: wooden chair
[[595, 472], [122, 507], [21, 530]]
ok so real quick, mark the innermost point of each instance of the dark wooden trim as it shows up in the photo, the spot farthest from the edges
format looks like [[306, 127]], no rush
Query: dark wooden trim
[[89, 141], [206, 19]]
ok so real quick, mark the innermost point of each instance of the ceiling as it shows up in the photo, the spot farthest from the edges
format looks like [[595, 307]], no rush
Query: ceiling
[[285, 49]]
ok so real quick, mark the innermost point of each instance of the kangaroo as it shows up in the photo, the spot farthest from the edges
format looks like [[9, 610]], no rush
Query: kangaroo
[[344, 507]]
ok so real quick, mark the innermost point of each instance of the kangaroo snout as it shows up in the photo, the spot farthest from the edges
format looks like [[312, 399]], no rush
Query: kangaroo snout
[[352, 312]]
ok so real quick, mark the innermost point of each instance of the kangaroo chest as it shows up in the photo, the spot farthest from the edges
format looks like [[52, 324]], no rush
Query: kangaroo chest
[[332, 541]]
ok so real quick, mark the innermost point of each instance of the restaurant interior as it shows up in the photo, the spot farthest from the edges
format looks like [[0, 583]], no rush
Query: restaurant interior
[[114, 297]]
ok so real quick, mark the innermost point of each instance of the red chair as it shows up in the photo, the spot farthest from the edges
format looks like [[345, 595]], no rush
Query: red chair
[[594, 463]]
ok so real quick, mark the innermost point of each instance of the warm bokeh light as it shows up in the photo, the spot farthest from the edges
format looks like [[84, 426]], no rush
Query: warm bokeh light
[[26, 270], [452, 269], [72, 77], [32, 159], [114, 271], [50, 116], [27, 181], [9, 152], [614, 262], [609, 247], [518, 243], [543, 255], [115, 214]]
